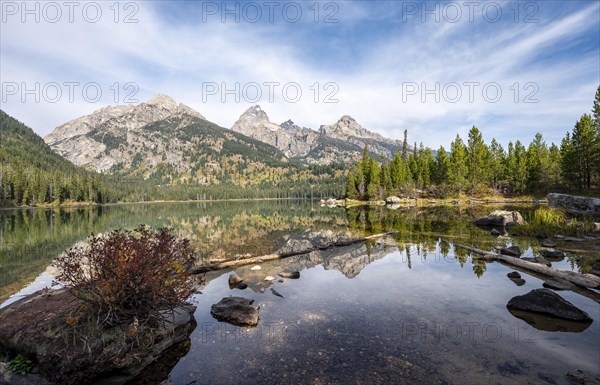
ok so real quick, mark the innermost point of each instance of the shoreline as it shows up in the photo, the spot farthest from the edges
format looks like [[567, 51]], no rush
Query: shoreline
[[77, 205]]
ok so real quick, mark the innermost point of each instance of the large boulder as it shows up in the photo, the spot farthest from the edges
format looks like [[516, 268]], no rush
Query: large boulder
[[43, 327], [500, 218], [237, 311], [547, 302], [575, 204]]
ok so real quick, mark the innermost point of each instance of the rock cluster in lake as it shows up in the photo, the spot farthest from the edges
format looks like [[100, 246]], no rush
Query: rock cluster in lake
[[500, 219], [547, 302], [237, 311]]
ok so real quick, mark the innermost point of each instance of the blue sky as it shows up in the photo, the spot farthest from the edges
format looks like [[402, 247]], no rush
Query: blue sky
[[434, 68]]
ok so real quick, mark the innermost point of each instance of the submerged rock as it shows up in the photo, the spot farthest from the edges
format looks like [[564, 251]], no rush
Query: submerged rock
[[547, 302], [500, 218], [558, 284], [547, 243], [512, 251], [237, 311], [275, 292], [291, 275], [513, 274]]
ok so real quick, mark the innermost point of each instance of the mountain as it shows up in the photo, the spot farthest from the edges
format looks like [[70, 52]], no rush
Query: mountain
[[341, 142], [31, 173], [171, 143]]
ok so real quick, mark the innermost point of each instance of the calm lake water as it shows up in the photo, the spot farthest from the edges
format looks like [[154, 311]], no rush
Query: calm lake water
[[404, 309]]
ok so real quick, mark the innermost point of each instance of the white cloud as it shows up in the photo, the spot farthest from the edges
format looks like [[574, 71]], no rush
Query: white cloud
[[176, 58]]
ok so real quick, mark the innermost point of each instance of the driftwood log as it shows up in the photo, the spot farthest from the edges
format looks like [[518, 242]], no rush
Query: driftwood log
[[275, 256], [583, 280]]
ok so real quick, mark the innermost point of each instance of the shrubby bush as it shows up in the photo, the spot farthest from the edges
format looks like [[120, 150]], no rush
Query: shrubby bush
[[129, 275]]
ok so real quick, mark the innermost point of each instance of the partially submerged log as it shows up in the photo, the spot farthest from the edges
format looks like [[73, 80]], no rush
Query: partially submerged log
[[275, 256], [583, 280]]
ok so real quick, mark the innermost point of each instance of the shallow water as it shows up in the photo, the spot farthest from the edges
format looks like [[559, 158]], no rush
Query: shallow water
[[405, 309]]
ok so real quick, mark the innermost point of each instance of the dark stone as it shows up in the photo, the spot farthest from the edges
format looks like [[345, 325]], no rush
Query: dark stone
[[513, 251], [275, 292], [513, 274], [554, 256], [583, 377], [547, 302], [495, 233], [518, 281], [236, 311], [550, 324], [291, 275], [558, 284], [241, 286], [234, 280], [541, 236], [547, 243]]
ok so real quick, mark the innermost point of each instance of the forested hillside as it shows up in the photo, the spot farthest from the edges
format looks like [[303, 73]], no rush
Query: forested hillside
[[31, 173], [474, 167]]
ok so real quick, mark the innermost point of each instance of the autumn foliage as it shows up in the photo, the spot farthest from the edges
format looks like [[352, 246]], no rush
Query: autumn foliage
[[129, 275]]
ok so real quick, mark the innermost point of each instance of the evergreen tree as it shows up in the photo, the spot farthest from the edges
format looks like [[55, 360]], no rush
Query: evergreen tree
[[441, 166], [584, 142], [538, 159], [351, 192], [497, 163], [478, 159], [405, 146], [373, 187], [457, 168]]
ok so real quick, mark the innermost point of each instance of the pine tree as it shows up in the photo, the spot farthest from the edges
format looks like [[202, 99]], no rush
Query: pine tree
[[457, 168], [441, 166], [351, 192], [584, 142], [373, 187], [497, 163], [538, 160], [405, 146], [478, 159]]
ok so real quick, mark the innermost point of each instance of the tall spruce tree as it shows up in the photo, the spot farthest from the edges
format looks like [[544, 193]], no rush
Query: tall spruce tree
[[478, 159], [457, 168]]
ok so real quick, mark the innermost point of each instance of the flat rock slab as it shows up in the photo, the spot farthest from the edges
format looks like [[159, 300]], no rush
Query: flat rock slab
[[547, 302], [237, 311], [558, 284]]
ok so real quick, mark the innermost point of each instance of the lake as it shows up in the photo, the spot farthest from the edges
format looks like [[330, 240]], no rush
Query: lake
[[406, 308]]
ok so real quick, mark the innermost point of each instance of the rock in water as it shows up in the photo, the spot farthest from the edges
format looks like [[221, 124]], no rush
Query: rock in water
[[275, 292], [234, 279], [254, 268], [558, 284], [500, 218], [291, 275], [596, 268], [513, 274], [237, 311], [518, 281], [547, 243], [513, 251], [547, 302], [553, 256]]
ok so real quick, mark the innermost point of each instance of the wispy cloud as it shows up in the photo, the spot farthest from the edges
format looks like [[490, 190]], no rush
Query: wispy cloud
[[371, 53]]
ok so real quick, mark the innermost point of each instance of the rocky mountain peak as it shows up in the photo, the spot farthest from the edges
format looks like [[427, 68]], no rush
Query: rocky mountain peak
[[163, 101]]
